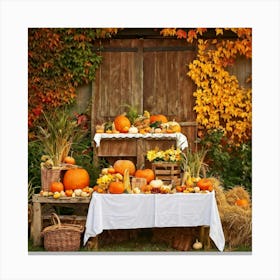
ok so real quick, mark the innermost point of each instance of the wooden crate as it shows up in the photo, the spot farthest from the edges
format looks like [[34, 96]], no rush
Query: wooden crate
[[169, 173]]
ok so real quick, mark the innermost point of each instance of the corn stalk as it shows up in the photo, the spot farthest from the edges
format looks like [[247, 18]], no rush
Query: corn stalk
[[58, 135], [192, 163]]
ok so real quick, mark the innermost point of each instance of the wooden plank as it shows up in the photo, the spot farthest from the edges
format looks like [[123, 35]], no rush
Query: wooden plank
[[172, 104], [125, 80], [137, 77], [62, 200], [115, 87], [66, 217], [105, 82], [141, 152], [161, 74], [118, 147], [149, 100]]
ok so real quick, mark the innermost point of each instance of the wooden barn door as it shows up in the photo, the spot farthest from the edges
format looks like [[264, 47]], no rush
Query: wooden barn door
[[149, 74], [166, 87]]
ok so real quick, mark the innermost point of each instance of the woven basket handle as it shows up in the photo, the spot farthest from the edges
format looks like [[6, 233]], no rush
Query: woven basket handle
[[55, 219]]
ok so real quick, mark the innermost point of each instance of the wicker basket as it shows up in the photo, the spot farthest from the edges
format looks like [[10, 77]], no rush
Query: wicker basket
[[62, 237], [48, 176]]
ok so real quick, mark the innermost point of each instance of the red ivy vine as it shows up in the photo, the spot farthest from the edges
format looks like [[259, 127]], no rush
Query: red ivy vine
[[60, 60]]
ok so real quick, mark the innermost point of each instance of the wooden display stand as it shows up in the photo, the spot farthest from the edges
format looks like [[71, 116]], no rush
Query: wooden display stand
[[39, 216], [134, 149]]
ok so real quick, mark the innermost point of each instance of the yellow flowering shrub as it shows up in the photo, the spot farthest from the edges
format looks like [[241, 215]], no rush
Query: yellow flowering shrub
[[220, 102]]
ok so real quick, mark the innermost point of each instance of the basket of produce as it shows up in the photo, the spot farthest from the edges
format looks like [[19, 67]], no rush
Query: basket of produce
[[62, 237]]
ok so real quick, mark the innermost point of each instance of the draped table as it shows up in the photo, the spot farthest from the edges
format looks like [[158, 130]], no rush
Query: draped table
[[131, 211]]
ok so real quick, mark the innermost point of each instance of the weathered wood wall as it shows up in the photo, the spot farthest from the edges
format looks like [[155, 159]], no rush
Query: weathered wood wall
[[149, 74]]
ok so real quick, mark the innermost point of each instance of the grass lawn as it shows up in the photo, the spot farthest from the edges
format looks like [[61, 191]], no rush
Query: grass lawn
[[142, 243]]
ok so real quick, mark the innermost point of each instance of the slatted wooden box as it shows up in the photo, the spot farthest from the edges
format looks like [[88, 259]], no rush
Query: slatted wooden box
[[169, 173]]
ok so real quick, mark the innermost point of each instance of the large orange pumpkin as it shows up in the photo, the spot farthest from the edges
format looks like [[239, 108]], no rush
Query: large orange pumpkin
[[122, 164], [76, 178], [116, 187], [56, 187], [158, 118], [122, 123], [148, 174]]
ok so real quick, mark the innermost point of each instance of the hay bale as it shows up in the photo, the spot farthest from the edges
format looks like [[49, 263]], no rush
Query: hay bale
[[237, 226], [237, 192], [236, 220]]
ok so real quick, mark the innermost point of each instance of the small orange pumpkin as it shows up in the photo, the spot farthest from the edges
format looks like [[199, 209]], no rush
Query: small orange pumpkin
[[76, 178], [69, 192], [205, 184], [122, 123], [56, 187], [122, 164], [111, 170], [116, 187], [242, 202], [148, 174], [158, 118], [69, 160]]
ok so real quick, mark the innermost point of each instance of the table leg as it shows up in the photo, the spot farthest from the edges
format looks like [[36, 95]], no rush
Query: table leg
[[36, 224], [204, 237]]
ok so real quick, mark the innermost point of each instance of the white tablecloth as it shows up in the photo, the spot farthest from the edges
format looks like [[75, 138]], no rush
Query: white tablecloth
[[128, 211], [181, 139]]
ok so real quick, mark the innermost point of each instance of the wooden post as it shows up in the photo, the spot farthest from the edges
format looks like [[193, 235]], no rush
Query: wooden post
[[140, 154], [36, 227], [204, 237]]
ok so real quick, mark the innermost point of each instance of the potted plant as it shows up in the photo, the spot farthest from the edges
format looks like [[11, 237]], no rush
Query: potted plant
[[57, 135]]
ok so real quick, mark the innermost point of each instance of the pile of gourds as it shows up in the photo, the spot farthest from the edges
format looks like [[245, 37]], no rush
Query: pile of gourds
[[145, 123], [117, 179]]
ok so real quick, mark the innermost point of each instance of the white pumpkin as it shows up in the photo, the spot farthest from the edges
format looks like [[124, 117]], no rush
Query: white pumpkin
[[133, 129], [157, 183]]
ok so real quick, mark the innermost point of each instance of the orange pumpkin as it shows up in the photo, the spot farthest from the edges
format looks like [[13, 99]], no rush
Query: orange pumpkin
[[122, 123], [116, 187], [148, 174], [111, 170], [69, 192], [122, 164], [69, 160], [205, 184], [242, 202], [56, 187], [158, 118], [76, 178]]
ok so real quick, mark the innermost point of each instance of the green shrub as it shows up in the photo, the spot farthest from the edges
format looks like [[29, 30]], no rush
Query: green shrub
[[231, 164], [35, 151]]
